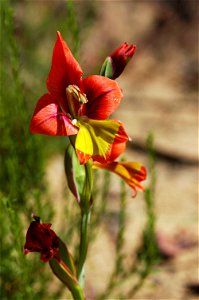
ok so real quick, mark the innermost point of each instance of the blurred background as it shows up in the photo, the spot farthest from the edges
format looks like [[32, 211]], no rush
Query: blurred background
[[160, 86]]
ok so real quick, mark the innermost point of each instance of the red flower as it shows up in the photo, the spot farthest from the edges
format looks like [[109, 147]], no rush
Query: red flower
[[132, 172], [40, 238], [76, 106], [114, 64]]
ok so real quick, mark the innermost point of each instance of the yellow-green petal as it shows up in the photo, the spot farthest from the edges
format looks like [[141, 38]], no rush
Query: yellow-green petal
[[95, 136]]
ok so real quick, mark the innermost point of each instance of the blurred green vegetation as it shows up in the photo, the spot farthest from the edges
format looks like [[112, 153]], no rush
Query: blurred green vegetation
[[21, 177]]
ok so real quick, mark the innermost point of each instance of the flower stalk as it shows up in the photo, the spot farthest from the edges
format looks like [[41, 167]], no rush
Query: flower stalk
[[85, 204], [85, 220]]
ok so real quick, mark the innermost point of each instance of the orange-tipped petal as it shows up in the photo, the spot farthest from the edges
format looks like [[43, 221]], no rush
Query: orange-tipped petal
[[65, 70], [132, 172], [104, 96], [119, 144], [83, 157], [49, 119], [116, 147]]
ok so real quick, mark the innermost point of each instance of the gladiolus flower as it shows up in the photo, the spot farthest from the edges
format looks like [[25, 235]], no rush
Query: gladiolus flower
[[132, 172], [114, 64], [76, 106], [40, 238]]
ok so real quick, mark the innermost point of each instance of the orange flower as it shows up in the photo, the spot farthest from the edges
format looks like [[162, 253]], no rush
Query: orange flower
[[132, 172]]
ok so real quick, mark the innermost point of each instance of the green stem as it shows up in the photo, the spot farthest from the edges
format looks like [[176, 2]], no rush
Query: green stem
[[85, 204], [77, 293], [83, 246]]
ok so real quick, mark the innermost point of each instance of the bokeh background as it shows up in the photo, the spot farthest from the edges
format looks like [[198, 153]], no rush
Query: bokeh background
[[160, 87]]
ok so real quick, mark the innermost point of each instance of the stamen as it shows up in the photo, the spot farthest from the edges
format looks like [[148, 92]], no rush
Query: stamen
[[76, 93], [73, 94]]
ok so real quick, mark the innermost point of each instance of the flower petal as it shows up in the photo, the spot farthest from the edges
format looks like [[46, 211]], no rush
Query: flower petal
[[65, 70], [40, 238], [95, 139], [49, 119], [119, 144], [132, 172], [104, 96], [84, 144], [101, 140]]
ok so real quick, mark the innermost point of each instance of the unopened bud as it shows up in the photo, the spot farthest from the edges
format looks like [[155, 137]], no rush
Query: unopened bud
[[114, 64]]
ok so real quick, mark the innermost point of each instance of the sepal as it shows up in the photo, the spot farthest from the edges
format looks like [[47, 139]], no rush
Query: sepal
[[66, 257], [107, 68], [63, 273]]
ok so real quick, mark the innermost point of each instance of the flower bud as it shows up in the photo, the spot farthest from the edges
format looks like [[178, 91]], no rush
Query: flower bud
[[40, 238], [114, 64]]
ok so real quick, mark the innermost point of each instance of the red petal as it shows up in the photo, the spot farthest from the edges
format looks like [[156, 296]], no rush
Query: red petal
[[83, 157], [104, 96], [65, 70], [119, 144], [40, 238], [49, 119]]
